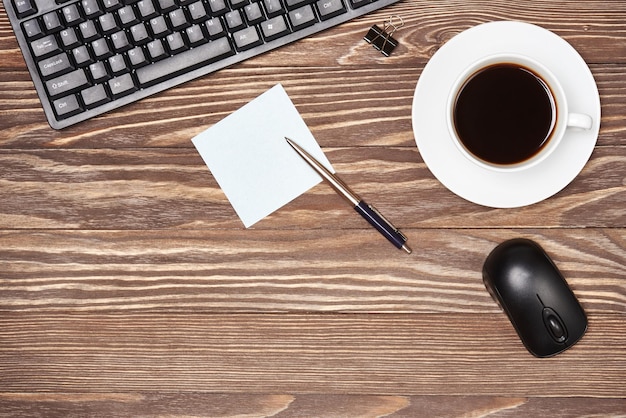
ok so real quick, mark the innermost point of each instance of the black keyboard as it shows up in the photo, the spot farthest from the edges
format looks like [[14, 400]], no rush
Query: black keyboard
[[87, 57]]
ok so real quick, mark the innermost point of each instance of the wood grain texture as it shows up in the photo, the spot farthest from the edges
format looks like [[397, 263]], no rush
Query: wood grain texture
[[307, 271], [389, 354], [129, 287]]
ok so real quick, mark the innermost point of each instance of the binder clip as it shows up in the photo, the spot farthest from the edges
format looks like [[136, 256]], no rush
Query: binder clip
[[382, 39]]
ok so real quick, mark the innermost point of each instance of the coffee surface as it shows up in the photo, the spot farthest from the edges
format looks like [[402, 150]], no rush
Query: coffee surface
[[504, 114]]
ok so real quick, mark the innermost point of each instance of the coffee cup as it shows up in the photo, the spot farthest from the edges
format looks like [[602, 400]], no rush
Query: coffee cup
[[508, 112]]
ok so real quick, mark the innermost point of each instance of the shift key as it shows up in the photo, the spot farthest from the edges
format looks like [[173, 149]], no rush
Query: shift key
[[67, 83]]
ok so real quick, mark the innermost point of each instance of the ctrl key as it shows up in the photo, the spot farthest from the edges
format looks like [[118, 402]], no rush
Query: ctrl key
[[66, 106]]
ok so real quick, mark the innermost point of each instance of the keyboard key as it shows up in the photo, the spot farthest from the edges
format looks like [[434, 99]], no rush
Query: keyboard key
[[45, 46], [246, 38], [273, 7], [302, 17], [234, 20], [175, 42], [120, 41], [158, 27], [274, 28], [330, 8], [215, 28], [253, 13], [139, 33], [112, 4], [167, 5], [178, 20], [88, 31], [32, 29], [94, 96], [52, 22], [195, 36], [137, 57], [81, 56], [122, 85], [107, 23], [66, 106], [146, 9], [117, 64], [218, 7], [54, 65], [71, 15], [69, 39], [67, 83], [100, 48], [156, 50], [25, 8], [127, 16], [184, 61], [98, 72], [197, 12], [91, 8]]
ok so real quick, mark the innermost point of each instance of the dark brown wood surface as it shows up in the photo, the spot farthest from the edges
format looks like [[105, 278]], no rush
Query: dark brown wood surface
[[129, 287]]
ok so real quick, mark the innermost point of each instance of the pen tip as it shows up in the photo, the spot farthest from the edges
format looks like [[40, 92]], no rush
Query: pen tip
[[407, 249]]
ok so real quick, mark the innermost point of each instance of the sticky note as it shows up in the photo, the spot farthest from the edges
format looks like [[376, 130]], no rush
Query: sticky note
[[248, 156]]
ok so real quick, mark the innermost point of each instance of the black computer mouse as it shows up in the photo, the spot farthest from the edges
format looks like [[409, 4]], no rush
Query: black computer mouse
[[532, 291]]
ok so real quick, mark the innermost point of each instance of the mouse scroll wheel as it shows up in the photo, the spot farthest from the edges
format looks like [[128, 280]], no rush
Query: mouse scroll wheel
[[555, 325]]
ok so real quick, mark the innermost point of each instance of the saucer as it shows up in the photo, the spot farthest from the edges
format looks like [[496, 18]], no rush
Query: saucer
[[467, 179]]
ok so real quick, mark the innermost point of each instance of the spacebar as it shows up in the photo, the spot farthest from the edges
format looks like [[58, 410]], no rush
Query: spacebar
[[183, 61]]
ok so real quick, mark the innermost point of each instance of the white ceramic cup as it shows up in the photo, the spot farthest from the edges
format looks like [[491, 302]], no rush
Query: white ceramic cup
[[562, 119]]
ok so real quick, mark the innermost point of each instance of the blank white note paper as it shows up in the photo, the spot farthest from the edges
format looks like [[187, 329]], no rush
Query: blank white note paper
[[256, 168]]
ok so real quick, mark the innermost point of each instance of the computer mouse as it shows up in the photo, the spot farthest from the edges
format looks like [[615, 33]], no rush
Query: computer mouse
[[526, 283]]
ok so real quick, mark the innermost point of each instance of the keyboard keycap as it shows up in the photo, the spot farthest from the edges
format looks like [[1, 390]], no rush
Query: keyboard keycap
[[67, 83], [71, 15], [91, 8], [94, 96], [45, 46], [66, 106], [330, 8], [186, 60], [32, 29], [54, 65], [197, 12], [273, 7], [247, 38], [25, 8], [137, 57], [302, 17], [274, 28], [52, 22], [127, 16], [122, 85]]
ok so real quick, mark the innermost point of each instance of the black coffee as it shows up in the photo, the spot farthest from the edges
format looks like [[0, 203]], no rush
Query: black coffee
[[504, 114]]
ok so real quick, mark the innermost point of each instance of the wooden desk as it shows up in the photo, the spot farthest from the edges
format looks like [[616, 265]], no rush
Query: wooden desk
[[129, 287]]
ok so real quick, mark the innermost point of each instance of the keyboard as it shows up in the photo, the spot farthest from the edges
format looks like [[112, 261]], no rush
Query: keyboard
[[87, 57]]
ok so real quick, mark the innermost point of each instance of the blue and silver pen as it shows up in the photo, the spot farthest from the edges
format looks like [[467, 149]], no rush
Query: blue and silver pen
[[370, 213]]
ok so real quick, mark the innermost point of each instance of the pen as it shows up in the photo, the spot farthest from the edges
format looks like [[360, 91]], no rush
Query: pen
[[370, 213]]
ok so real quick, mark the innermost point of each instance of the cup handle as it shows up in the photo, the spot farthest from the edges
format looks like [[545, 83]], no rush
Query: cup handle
[[579, 121]]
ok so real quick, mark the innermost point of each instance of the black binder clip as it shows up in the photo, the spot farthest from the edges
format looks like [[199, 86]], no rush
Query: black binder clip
[[382, 39]]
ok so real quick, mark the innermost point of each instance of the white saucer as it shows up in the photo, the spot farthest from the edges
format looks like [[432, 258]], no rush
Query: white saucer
[[480, 185]]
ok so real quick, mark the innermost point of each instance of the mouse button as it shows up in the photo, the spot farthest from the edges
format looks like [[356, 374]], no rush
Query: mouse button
[[555, 326]]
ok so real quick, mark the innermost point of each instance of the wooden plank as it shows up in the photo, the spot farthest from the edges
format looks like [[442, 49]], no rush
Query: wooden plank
[[289, 271], [385, 354], [171, 188], [294, 405]]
